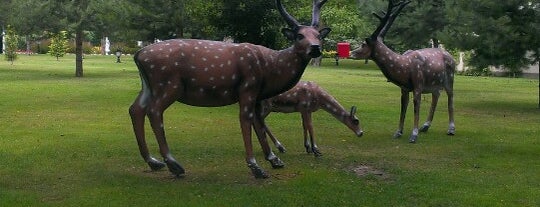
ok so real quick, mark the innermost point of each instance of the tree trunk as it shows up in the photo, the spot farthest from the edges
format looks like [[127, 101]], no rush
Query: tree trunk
[[28, 48], [78, 53]]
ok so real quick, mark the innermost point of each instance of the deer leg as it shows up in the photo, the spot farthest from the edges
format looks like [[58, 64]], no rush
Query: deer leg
[[258, 125], [403, 111], [246, 122], [276, 142], [416, 101], [155, 114], [308, 127], [434, 100], [451, 125], [137, 112]]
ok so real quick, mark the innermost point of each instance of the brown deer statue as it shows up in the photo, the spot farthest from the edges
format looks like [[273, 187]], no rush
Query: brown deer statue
[[419, 71], [308, 97], [211, 74]]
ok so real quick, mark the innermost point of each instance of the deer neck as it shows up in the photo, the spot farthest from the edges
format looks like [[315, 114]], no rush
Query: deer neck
[[392, 65], [330, 105], [284, 69]]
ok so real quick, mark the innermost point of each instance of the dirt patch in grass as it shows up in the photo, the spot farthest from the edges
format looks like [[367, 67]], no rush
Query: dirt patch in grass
[[363, 171]]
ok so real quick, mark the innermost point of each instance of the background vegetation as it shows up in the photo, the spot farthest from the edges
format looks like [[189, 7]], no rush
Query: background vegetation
[[498, 33], [67, 141]]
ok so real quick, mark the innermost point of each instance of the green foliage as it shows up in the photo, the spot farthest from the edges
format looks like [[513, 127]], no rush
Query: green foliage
[[59, 44], [11, 41], [500, 33]]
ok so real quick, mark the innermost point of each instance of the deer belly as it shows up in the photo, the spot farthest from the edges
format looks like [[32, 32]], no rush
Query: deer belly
[[208, 97]]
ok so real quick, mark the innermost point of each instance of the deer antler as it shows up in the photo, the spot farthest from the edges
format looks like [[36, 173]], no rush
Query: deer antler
[[291, 21], [388, 18], [316, 14]]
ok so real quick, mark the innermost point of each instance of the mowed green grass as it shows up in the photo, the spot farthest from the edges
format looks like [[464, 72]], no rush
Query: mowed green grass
[[67, 141]]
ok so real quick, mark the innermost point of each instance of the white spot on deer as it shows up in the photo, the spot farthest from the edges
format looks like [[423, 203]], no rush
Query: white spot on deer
[[211, 78], [175, 86], [193, 67], [225, 92], [201, 90], [229, 62], [221, 65], [152, 66], [216, 56], [176, 63], [163, 67], [183, 55], [193, 80], [241, 58], [146, 60], [222, 77], [250, 115], [233, 77], [204, 59]]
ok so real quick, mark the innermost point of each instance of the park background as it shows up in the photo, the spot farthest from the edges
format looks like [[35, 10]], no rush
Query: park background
[[66, 138]]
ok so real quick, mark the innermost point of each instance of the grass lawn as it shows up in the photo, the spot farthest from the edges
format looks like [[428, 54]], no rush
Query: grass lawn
[[67, 141]]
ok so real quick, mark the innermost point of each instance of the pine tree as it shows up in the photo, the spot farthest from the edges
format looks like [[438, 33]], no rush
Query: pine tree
[[59, 44], [11, 44]]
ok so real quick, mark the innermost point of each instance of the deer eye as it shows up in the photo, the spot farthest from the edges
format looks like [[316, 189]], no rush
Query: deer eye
[[299, 36], [356, 121]]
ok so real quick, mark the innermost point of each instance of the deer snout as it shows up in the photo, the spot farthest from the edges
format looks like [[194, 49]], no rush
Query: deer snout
[[359, 133], [315, 51]]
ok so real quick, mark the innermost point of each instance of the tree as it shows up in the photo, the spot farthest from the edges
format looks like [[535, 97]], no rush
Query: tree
[[59, 44], [12, 40], [499, 33]]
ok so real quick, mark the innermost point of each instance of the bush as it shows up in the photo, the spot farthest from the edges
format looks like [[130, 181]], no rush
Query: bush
[[41, 46]]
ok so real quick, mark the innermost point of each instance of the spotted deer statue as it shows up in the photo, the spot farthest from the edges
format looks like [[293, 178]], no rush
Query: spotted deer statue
[[419, 71], [308, 97], [211, 74]]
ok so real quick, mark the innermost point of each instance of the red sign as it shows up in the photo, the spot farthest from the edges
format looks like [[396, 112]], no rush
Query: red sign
[[343, 49]]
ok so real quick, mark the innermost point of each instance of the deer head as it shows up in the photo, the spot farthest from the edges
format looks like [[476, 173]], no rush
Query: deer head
[[354, 123], [364, 51], [307, 39]]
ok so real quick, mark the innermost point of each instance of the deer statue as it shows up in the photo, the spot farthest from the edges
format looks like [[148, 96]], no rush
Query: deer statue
[[308, 97], [211, 74], [420, 71]]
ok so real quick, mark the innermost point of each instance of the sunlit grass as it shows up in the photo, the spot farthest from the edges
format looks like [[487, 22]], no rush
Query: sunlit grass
[[68, 141]]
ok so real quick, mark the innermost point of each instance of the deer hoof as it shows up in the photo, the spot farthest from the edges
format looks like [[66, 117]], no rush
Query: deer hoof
[[155, 164], [398, 134], [276, 163], [317, 153], [281, 149], [308, 149], [257, 171], [451, 131], [175, 167], [413, 138], [424, 128]]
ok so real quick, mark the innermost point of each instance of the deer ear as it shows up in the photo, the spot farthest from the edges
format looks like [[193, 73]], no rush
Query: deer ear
[[289, 33], [353, 110], [324, 32]]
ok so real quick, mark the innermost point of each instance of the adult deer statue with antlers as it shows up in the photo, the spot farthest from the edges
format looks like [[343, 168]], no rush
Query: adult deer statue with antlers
[[420, 71], [308, 97], [211, 74]]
